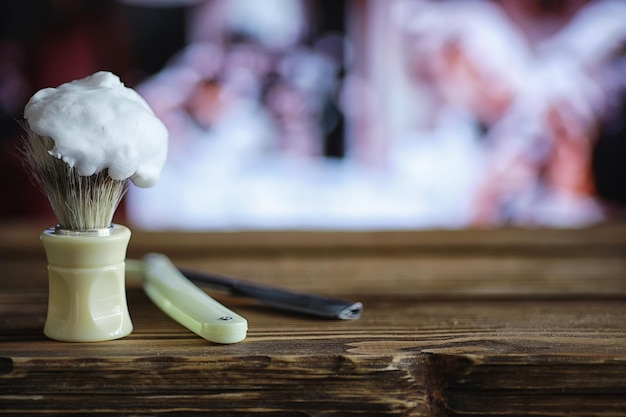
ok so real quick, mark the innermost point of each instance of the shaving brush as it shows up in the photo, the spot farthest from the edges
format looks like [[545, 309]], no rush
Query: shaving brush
[[86, 140], [85, 251]]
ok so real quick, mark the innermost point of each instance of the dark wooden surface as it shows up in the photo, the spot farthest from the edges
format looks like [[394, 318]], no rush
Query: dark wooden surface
[[492, 322]]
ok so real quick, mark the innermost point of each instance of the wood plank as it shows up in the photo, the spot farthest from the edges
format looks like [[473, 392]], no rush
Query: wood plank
[[22, 239], [517, 322], [401, 358], [516, 263], [426, 277]]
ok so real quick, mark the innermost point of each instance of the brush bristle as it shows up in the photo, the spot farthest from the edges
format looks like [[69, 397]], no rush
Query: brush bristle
[[79, 202]]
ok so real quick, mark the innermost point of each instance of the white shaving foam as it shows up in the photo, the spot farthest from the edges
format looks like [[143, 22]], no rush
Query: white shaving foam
[[97, 123]]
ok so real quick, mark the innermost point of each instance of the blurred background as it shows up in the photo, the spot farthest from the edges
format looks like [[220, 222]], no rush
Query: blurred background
[[344, 114]]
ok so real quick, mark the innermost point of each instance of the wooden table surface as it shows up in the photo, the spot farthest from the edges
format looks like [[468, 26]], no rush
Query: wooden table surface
[[474, 322]]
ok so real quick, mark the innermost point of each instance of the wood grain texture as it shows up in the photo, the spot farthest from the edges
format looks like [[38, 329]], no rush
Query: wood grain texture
[[455, 324]]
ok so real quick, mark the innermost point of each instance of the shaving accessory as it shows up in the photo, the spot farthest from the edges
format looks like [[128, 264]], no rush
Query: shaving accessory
[[266, 295], [279, 298], [86, 140], [85, 252], [186, 303]]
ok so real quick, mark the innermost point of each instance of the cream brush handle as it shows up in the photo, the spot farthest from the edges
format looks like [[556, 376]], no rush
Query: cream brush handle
[[86, 280]]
